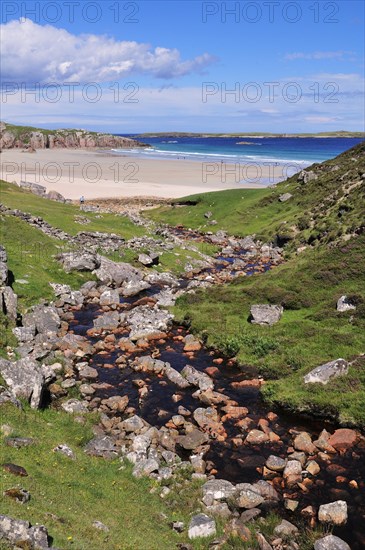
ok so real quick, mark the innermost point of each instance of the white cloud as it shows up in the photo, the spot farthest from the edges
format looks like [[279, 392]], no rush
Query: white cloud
[[43, 53], [340, 54]]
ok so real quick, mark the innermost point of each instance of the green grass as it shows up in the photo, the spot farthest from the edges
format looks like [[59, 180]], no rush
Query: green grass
[[78, 492], [63, 216], [19, 131], [231, 209], [320, 211], [310, 332], [31, 258]]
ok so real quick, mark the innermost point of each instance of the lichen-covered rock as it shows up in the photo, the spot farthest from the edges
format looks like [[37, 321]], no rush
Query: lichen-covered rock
[[79, 261], [25, 379], [324, 373], [334, 513], [20, 534], [345, 304], [266, 314], [331, 542], [201, 525]]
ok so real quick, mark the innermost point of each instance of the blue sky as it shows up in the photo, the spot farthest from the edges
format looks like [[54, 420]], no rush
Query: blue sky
[[125, 66]]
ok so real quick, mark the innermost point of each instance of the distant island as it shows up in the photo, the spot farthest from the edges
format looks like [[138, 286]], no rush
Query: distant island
[[262, 135]]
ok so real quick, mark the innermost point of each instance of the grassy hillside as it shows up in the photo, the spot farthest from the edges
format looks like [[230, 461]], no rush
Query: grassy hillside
[[69, 495], [64, 216], [321, 210], [325, 216], [311, 331]]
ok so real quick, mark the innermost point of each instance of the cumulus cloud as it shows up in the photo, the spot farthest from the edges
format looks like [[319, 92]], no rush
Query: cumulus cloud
[[340, 54], [43, 53]]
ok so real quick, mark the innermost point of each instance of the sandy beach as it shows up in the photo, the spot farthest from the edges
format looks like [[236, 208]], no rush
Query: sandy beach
[[100, 174]]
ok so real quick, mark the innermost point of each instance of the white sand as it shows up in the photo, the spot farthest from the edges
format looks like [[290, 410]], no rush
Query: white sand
[[93, 174]]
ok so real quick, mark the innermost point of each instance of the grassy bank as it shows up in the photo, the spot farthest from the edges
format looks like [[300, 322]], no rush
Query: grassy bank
[[321, 210], [69, 495], [32, 263], [65, 216], [310, 332]]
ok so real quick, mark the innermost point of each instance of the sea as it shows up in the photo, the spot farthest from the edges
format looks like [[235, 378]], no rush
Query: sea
[[292, 153]]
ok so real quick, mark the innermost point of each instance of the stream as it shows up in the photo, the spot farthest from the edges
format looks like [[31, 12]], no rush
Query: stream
[[228, 457]]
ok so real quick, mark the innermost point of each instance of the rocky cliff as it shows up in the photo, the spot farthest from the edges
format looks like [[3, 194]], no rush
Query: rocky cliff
[[24, 137]]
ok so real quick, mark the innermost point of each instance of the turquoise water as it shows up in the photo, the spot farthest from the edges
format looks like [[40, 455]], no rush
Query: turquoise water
[[299, 151]]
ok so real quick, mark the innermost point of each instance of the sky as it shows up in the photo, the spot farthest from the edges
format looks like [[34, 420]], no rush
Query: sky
[[183, 65]]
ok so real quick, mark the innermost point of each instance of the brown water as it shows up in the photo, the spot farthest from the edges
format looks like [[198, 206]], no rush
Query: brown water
[[242, 463]]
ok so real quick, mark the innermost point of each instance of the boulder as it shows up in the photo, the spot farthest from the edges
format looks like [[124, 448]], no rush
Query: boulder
[[248, 496], [208, 418], [79, 261], [145, 259], [45, 319], [306, 176], [116, 273], [218, 489], [74, 406], [65, 450], [275, 463], [303, 442], [3, 273], [201, 525], [147, 322], [324, 373], [102, 445], [24, 334], [343, 439], [6, 396], [109, 298], [286, 529], [145, 467], [344, 304], [25, 379], [20, 534], [54, 196], [266, 314], [192, 439], [257, 437], [134, 287], [87, 372], [197, 378], [175, 377], [9, 302], [262, 542], [322, 443], [334, 513], [109, 320], [191, 343], [331, 542], [133, 424], [285, 197]]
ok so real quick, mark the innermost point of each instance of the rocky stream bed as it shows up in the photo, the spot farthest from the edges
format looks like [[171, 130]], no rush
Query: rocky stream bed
[[168, 402]]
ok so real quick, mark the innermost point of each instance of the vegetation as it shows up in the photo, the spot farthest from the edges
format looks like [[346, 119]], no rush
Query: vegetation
[[69, 495], [66, 216], [32, 263], [311, 331], [320, 211]]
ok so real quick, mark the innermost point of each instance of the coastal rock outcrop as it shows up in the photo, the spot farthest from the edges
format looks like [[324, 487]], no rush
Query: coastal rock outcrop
[[32, 138]]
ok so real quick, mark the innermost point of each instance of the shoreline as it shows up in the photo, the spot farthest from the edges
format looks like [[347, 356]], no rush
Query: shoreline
[[100, 174]]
